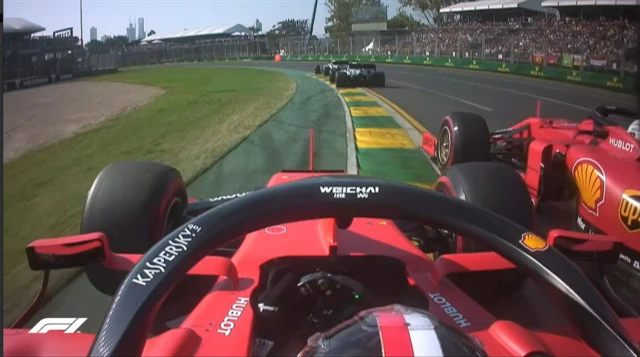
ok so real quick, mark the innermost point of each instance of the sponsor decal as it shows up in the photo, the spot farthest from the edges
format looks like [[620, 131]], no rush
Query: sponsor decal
[[537, 72], [229, 197], [229, 321], [533, 243], [633, 262], [474, 65], [34, 81], [343, 192], [503, 68], [66, 324], [276, 230], [450, 310], [574, 77], [591, 181], [621, 144], [629, 210], [160, 263], [614, 83], [585, 227], [264, 307]]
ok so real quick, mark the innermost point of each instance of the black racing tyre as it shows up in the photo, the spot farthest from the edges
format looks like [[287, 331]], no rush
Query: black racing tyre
[[332, 77], [326, 70], [493, 186], [379, 79], [463, 137], [341, 80], [135, 204], [317, 69]]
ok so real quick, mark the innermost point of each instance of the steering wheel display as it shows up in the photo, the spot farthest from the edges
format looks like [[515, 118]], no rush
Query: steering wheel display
[[126, 325]]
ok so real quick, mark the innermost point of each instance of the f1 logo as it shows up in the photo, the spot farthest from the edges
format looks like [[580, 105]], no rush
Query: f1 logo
[[66, 324]]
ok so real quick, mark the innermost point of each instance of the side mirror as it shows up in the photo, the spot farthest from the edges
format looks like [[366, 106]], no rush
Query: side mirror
[[67, 252], [588, 248]]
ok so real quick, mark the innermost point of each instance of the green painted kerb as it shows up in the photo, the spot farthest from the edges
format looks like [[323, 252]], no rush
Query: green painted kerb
[[402, 165], [366, 122]]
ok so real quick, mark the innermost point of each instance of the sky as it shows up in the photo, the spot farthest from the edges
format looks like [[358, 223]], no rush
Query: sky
[[111, 17]]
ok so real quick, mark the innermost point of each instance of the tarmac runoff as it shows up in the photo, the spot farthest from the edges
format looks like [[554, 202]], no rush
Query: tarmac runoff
[[387, 139]]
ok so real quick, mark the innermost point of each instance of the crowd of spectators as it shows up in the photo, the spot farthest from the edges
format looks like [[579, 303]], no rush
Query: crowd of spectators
[[518, 36], [602, 38]]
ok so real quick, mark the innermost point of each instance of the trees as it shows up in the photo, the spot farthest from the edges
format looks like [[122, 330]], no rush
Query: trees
[[151, 33], [287, 29], [341, 14], [96, 47], [430, 9], [403, 20], [291, 28]]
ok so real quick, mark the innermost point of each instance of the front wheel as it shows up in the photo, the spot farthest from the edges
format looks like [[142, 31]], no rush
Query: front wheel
[[135, 204], [341, 80], [493, 186], [463, 137], [332, 77]]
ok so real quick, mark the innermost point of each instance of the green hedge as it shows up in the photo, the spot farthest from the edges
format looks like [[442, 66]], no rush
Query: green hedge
[[612, 82]]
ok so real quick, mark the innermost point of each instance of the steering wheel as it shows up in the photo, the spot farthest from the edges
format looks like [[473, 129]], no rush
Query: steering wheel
[[127, 323]]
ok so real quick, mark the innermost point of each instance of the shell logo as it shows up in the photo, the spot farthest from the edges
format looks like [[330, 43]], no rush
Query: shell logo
[[591, 181], [533, 243]]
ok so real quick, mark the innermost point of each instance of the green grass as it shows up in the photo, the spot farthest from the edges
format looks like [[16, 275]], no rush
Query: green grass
[[203, 114]]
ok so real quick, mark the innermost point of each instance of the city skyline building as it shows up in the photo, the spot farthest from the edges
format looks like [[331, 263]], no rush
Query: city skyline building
[[141, 33]]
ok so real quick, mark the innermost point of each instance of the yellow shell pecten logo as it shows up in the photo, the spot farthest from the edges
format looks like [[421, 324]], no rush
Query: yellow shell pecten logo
[[533, 243], [591, 182]]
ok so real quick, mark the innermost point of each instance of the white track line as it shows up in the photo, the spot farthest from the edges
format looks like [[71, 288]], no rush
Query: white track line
[[352, 161], [443, 95], [502, 89]]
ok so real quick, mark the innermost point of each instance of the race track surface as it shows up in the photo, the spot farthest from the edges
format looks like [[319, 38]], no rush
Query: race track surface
[[428, 94]]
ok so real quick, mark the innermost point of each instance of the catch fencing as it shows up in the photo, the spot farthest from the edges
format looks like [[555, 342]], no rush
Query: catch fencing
[[516, 47]]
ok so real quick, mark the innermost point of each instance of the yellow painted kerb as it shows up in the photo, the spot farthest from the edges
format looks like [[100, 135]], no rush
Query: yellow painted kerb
[[379, 138], [349, 90], [423, 185], [368, 111], [359, 98], [404, 114]]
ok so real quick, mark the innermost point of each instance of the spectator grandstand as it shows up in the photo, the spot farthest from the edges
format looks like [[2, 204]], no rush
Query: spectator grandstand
[[30, 60], [197, 45], [598, 36]]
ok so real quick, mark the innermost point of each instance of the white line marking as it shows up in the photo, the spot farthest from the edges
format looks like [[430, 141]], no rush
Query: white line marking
[[443, 95], [504, 90]]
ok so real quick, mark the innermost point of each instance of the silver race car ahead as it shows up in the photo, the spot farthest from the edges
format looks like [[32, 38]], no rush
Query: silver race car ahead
[[327, 68], [360, 74]]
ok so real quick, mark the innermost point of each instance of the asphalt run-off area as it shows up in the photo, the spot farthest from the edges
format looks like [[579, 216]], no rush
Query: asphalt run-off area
[[426, 94]]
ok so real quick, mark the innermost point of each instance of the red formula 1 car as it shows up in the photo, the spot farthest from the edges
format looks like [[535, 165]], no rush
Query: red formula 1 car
[[324, 270], [582, 176]]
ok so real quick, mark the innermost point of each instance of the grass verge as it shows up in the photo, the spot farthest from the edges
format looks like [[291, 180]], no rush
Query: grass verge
[[203, 114]]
